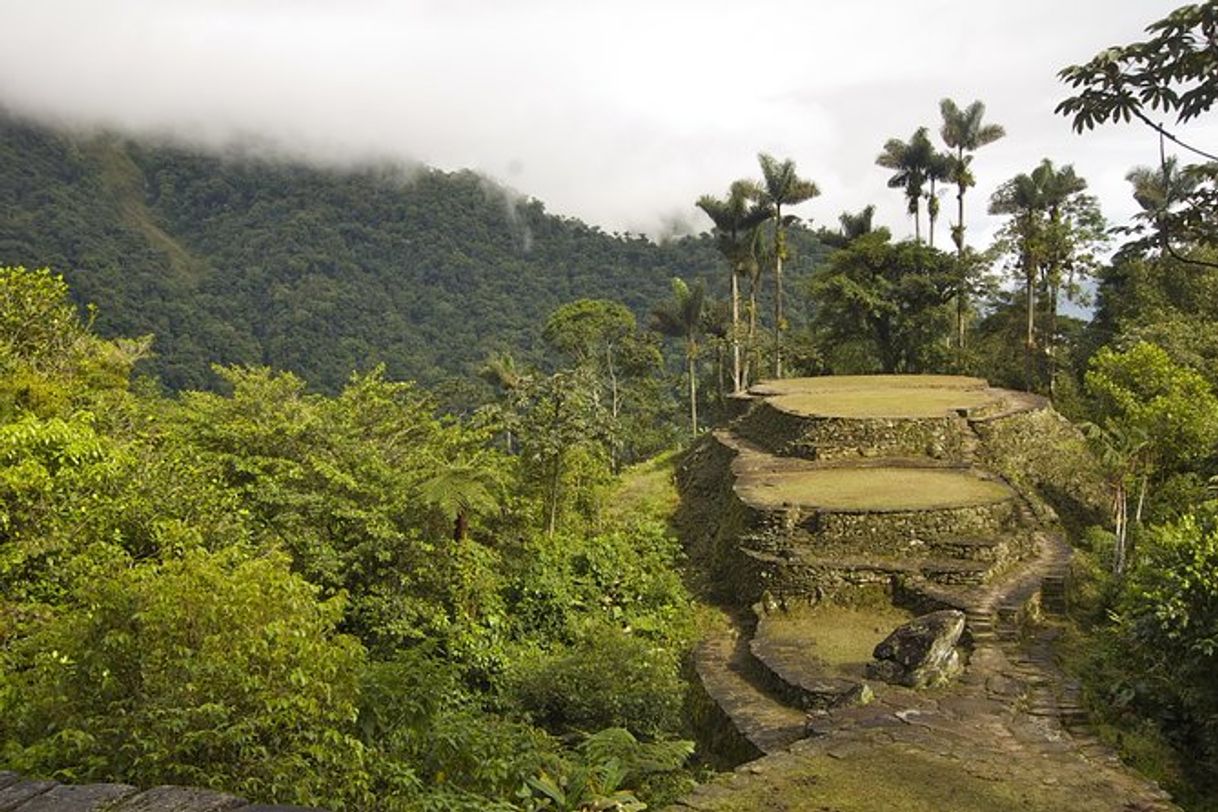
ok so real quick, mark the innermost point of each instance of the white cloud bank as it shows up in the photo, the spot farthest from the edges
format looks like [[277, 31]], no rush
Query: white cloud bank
[[620, 113]]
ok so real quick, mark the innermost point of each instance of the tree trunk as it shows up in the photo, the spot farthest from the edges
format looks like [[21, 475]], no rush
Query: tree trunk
[[958, 237], [751, 362], [1119, 520], [1137, 516], [779, 240], [737, 380], [1029, 273], [719, 374], [932, 213], [1051, 340], [693, 388]]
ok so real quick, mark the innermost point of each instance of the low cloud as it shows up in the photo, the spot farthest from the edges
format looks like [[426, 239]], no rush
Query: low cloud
[[619, 113]]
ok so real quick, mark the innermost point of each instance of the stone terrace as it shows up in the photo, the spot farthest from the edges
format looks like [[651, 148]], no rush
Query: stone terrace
[[829, 509]]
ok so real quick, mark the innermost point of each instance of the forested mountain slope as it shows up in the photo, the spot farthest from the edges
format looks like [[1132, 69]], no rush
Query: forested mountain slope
[[245, 260]]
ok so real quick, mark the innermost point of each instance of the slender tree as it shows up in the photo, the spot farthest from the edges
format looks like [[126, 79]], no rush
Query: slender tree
[[1053, 230], [1022, 199], [736, 218], [681, 317], [781, 187], [964, 132], [938, 170], [910, 161]]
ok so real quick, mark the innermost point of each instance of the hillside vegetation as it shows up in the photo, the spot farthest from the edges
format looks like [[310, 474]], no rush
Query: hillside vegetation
[[243, 259]]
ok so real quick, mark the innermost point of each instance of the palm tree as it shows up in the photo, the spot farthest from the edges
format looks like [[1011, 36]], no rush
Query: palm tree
[[911, 162], [500, 371], [736, 219], [964, 132], [1023, 199], [781, 187], [1057, 186], [1036, 202], [681, 317], [856, 225], [1157, 190], [938, 168], [1121, 451]]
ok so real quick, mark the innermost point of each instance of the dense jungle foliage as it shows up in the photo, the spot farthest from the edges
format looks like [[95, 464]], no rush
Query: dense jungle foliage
[[295, 576], [248, 260], [344, 600]]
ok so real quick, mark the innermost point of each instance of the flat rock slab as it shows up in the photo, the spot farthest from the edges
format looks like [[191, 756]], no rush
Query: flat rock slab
[[20, 791], [83, 798], [18, 794]]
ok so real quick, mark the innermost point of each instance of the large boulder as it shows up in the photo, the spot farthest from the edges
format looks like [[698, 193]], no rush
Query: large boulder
[[922, 652]]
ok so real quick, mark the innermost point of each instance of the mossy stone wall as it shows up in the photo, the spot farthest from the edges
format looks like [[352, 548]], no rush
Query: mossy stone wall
[[839, 438]]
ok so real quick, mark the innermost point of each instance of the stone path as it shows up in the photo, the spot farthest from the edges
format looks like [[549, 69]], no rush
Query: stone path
[[1009, 733], [19, 794]]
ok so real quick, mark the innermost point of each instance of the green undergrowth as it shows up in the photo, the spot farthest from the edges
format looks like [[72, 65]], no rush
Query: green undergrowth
[[646, 491], [1088, 650], [880, 489]]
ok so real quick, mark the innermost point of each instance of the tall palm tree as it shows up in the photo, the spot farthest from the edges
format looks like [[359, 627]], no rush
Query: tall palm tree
[[1023, 198], [910, 161], [1157, 190], [736, 218], [681, 317], [964, 132], [1058, 187], [1037, 201], [938, 169], [781, 187]]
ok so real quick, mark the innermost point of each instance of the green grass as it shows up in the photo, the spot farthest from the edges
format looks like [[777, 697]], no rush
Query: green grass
[[875, 489], [840, 639], [645, 491], [893, 777], [882, 401], [838, 383]]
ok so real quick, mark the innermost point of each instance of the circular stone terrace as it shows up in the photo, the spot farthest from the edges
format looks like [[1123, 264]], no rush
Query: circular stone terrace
[[882, 396], [774, 482]]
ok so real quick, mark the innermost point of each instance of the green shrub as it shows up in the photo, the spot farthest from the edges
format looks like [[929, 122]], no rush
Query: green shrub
[[209, 670], [610, 678]]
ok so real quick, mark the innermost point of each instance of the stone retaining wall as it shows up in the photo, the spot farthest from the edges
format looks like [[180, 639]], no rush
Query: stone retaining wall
[[836, 438]]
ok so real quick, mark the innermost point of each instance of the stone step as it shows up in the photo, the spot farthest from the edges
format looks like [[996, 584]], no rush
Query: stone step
[[957, 571], [760, 721], [973, 548]]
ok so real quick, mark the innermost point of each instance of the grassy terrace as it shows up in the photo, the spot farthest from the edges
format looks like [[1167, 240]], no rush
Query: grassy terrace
[[877, 396], [873, 489], [840, 383], [836, 641]]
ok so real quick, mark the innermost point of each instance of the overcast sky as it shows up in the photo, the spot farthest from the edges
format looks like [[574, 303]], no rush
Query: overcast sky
[[621, 113]]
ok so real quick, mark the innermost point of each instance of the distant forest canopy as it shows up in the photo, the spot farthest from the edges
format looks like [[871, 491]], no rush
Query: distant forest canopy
[[240, 260]]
